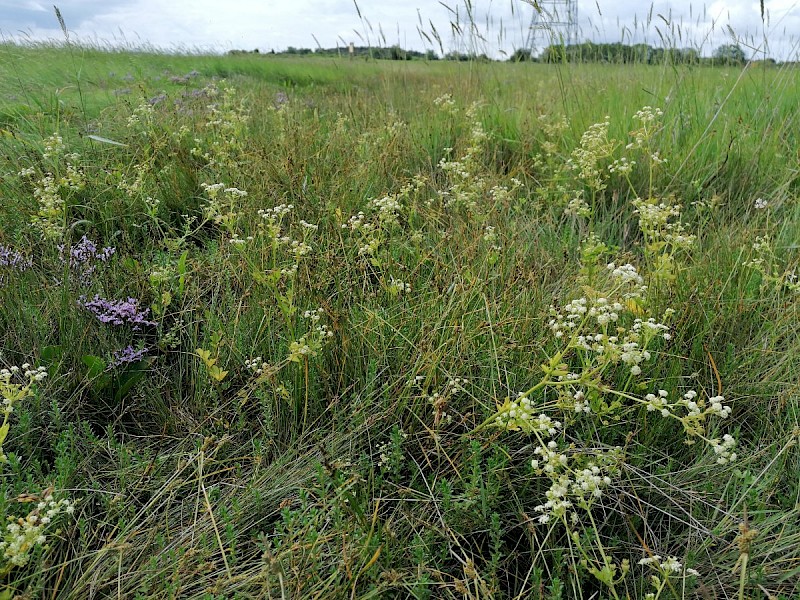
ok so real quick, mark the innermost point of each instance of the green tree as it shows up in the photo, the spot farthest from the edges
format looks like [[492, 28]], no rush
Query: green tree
[[729, 54]]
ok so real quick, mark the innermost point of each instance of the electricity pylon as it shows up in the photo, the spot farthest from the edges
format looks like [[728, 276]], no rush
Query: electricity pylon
[[553, 23]]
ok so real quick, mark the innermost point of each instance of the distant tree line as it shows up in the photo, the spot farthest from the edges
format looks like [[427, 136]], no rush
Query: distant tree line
[[590, 52], [587, 52], [388, 53]]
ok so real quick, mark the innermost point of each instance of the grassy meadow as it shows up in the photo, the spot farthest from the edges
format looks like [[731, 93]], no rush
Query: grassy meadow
[[321, 328]]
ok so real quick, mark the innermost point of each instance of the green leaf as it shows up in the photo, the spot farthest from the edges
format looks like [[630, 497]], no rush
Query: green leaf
[[3, 433], [182, 272], [52, 354], [96, 372], [97, 365], [130, 376]]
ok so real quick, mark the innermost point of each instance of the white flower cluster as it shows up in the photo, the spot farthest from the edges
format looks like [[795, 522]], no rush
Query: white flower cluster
[[724, 449], [370, 247], [718, 408], [557, 502], [399, 287], [490, 237], [578, 207], [601, 310], [658, 403], [580, 403], [621, 166], [594, 147], [275, 213], [589, 481], [446, 103], [311, 343], [219, 209], [519, 415], [12, 391], [626, 273], [466, 186], [581, 483], [355, 222], [256, 365], [549, 459], [657, 226], [49, 218], [596, 326], [388, 208], [696, 412], [298, 248], [141, 116], [648, 117], [389, 448], [309, 226], [25, 533], [53, 146], [668, 565], [299, 349]]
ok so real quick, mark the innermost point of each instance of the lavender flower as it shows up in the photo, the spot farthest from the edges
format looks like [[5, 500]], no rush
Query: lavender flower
[[83, 258], [13, 259], [126, 356], [117, 312], [157, 99]]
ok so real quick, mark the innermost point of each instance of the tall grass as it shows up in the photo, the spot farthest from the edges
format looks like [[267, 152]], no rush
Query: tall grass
[[225, 444]]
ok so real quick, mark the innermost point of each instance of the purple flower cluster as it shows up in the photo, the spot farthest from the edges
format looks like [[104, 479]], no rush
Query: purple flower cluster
[[84, 258], [117, 312], [13, 259], [126, 356]]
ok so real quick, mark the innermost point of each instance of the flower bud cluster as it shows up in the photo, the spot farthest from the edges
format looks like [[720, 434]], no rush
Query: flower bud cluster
[[724, 449], [12, 391], [23, 534], [578, 479], [519, 415], [594, 147], [311, 343], [655, 221], [649, 118], [51, 188], [388, 208], [626, 273], [256, 365], [658, 403], [397, 286]]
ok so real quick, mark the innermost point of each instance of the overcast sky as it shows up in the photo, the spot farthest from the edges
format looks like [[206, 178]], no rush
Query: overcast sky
[[221, 25]]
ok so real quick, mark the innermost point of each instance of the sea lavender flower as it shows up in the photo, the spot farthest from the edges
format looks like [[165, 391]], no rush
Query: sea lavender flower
[[126, 356], [157, 99], [83, 258], [14, 261], [117, 312]]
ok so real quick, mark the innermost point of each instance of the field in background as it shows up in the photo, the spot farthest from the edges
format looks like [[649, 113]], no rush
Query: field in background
[[329, 328]]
